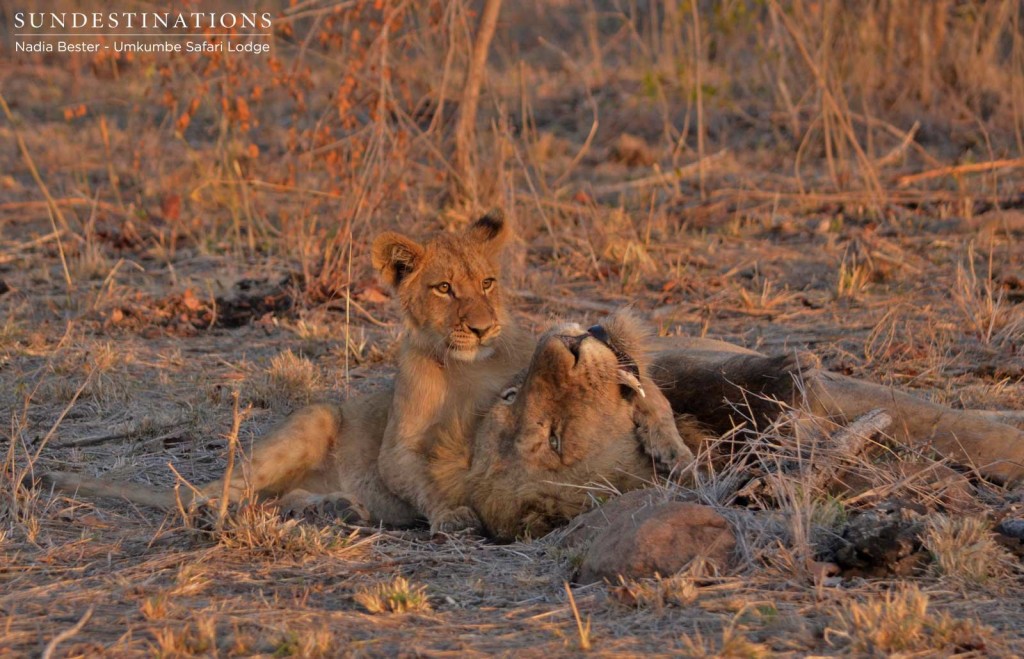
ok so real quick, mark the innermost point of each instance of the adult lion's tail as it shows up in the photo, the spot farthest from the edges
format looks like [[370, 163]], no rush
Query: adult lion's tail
[[144, 495], [981, 439]]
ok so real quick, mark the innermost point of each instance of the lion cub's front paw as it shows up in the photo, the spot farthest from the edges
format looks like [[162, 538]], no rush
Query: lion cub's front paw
[[456, 520], [325, 509]]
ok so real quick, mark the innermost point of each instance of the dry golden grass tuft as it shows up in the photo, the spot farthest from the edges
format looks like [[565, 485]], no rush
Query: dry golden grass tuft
[[900, 622], [982, 303], [259, 528], [396, 596], [965, 551], [198, 638], [289, 381], [733, 645], [676, 590]]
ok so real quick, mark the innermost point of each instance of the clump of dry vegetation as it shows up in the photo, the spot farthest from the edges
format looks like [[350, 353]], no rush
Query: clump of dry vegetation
[[397, 596], [843, 178], [965, 551], [900, 622], [259, 528], [289, 380]]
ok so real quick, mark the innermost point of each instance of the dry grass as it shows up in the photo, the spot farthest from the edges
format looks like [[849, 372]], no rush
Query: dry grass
[[289, 380], [965, 551], [900, 622], [398, 596], [782, 175]]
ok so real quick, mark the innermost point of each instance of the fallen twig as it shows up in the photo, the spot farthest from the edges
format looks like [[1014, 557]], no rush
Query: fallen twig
[[846, 443], [95, 440], [953, 170]]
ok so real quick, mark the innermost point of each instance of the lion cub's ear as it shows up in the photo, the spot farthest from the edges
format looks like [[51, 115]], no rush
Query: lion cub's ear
[[395, 256], [492, 228]]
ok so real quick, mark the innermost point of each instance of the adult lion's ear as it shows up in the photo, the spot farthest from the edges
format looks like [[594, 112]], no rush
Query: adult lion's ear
[[492, 228], [395, 256]]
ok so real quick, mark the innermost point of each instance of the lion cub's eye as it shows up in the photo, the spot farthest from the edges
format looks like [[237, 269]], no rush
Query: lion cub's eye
[[488, 284], [555, 442], [444, 288], [509, 395]]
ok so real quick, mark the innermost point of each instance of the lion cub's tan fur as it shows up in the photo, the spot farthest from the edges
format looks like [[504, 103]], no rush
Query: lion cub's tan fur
[[458, 351], [380, 455]]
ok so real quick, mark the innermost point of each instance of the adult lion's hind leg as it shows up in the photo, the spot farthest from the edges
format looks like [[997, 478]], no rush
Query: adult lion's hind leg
[[967, 436]]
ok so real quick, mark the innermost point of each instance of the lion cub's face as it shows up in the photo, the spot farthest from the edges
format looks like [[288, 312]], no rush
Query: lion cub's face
[[449, 287], [574, 418]]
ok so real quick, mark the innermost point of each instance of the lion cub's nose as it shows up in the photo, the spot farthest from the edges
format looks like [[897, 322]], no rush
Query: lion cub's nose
[[481, 332]]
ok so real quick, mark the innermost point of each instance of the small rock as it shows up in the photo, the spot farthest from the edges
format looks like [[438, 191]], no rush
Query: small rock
[[1012, 527], [1010, 534], [640, 534]]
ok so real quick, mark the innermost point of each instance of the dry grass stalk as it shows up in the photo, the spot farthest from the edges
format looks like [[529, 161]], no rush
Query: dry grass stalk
[[956, 170], [582, 629], [232, 449], [51, 647]]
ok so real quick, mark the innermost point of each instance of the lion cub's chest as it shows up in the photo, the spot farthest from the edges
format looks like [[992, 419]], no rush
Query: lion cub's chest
[[433, 402]]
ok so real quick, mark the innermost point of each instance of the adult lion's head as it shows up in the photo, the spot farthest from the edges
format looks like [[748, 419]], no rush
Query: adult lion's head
[[583, 414], [449, 287]]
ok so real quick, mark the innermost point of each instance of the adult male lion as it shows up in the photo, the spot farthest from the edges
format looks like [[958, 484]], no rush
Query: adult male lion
[[562, 426]]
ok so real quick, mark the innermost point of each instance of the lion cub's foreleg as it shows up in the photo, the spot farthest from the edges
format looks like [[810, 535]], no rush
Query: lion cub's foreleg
[[408, 458]]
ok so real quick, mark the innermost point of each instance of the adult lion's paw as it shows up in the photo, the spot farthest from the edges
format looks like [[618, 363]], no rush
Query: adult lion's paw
[[456, 520], [660, 432]]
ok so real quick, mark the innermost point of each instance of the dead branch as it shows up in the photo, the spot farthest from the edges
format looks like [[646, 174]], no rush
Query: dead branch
[[465, 129]]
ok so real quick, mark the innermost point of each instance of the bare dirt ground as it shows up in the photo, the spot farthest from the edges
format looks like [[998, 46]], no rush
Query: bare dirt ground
[[176, 229]]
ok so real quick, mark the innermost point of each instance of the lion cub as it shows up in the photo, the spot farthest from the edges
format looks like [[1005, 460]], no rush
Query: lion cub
[[457, 353]]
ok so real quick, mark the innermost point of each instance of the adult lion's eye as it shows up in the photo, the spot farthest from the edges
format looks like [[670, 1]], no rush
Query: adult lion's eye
[[509, 395], [555, 442], [488, 284], [444, 288]]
